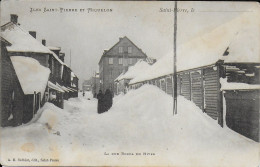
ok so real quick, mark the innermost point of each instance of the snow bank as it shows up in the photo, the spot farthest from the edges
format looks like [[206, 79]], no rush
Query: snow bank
[[32, 75], [139, 122], [22, 41], [236, 86]]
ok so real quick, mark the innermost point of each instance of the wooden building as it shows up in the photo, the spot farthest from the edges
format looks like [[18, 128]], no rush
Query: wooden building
[[11, 91], [121, 83], [222, 80], [87, 85], [116, 60], [22, 94], [95, 84], [25, 44]]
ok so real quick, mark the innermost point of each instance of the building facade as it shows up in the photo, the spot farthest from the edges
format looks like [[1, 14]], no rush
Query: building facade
[[86, 86], [95, 83], [116, 60]]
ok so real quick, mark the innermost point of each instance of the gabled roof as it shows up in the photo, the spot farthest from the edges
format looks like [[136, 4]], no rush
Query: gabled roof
[[21, 40], [125, 37]]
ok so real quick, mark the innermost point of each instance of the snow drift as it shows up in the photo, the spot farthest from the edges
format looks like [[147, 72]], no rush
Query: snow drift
[[139, 122]]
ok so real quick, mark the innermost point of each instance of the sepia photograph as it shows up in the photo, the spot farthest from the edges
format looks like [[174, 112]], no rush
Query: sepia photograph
[[130, 83]]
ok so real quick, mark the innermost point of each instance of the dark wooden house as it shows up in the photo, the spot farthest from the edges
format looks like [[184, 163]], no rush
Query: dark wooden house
[[11, 91], [22, 94]]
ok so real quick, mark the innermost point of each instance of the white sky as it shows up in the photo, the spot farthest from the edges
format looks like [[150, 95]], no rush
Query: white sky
[[89, 34]]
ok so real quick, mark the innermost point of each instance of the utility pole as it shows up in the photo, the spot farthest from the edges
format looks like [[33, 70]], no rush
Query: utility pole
[[70, 58], [174, 61]]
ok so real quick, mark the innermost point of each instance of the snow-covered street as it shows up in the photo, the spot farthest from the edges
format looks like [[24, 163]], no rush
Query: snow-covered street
[[139, 122]]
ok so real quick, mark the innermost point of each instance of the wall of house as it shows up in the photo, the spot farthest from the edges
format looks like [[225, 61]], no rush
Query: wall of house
[[28, 108], [11, 92], [242, 112], [43, 58], [109, 72]]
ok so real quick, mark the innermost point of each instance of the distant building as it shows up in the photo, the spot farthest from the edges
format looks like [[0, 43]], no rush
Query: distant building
[[95, 84], [116, 60], [86, 86]]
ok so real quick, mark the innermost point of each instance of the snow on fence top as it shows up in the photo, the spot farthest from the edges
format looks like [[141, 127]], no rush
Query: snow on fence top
[[133, 71], [239, 38], [32, 76], [237, 86], [22, 41]]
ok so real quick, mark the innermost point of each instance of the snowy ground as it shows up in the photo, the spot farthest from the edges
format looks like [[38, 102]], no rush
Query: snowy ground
[[139, 122]]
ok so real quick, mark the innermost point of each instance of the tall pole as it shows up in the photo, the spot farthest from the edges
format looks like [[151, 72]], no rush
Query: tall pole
[[174, 61], [70, 58]]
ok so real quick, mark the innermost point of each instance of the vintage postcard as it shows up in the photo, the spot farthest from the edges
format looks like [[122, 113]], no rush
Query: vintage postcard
[[130, 83]]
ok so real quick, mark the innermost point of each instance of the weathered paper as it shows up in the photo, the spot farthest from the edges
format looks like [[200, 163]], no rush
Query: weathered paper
[[83, 30]]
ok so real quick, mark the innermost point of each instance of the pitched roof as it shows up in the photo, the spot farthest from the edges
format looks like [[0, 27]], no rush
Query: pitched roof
[[125, 37], [21, 40]]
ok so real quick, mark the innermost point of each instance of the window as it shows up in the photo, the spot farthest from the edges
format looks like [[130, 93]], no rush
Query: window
[[120, 49], [110, 60], [130, 60], [129, 49], [120, 61]]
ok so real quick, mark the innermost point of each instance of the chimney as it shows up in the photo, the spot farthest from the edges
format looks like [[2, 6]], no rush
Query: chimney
[[62, 56], [44, 42], [120, 38], [14, 18], [33, 34]]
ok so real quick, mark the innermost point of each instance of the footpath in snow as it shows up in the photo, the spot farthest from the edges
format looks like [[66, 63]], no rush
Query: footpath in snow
[[139, 130]]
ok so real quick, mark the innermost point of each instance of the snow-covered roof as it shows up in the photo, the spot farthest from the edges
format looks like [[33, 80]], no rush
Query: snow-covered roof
[[57, 58], [133, 71], [240, 37], [162, 67], [53, 48], [237, 86], [21, 40], [55, 87], [32, 76], [119, 76], [71, 89]]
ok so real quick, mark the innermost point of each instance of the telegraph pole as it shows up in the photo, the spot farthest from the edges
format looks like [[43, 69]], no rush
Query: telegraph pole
[[70, 58], [174, 61]]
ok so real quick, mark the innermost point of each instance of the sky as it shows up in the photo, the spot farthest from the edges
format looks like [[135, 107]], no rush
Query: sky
[[87, 34]]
